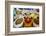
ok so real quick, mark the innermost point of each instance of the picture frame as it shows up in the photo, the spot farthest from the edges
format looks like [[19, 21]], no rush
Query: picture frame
[[9, 5]]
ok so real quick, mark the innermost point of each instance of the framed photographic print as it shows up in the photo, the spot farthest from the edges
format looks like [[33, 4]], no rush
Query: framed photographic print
[[24, 18]]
